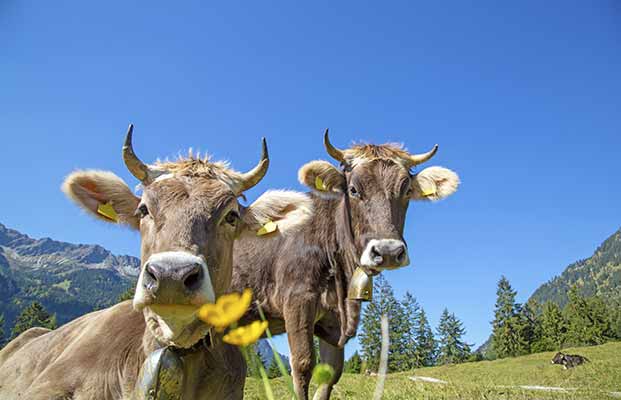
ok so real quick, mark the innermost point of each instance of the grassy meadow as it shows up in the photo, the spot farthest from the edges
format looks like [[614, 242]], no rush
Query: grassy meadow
[[499, 379]]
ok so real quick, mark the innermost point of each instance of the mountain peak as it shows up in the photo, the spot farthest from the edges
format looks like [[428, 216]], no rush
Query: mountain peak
[[52, 252], [69, 279]]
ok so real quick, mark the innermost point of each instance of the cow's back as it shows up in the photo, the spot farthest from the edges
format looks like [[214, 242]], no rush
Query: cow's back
[[85, 358], [19, 342]]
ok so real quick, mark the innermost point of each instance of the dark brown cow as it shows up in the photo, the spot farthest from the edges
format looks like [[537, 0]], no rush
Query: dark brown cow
[[302, 280], [568, 360], [188, 217]]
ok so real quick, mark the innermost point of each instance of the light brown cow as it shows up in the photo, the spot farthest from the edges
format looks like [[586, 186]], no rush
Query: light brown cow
[[302, 280], [188, 217]]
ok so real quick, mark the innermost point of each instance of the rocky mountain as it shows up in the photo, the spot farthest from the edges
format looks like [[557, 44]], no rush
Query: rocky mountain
[[68, 279], [267, 354]]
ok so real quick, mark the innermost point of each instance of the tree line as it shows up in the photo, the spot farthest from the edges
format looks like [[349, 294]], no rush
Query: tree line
[[31, 316], [520, 329], [517, 329], [413, 343]]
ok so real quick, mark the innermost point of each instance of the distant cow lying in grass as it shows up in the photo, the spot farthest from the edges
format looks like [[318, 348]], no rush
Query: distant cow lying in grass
[[188, 217], [568, 360]]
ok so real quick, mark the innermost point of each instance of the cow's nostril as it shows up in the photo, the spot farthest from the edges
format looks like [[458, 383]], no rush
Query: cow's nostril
[[194, 279], [151, 272], [400, 254], [375, 253]]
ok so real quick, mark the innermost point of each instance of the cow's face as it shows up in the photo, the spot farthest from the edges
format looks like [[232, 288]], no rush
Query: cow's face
[[377, 184], [188, 217]]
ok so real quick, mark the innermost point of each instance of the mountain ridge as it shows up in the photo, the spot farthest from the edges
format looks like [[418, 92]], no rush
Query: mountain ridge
[[68, 279], [599, 274]]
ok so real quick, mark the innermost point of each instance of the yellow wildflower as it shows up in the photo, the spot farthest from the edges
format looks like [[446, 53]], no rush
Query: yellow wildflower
[[227, 310], [245, 335]]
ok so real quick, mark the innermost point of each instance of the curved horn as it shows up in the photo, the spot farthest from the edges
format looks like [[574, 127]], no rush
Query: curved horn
[[139, 169], [254, 176], [416, 159], [333, 151]]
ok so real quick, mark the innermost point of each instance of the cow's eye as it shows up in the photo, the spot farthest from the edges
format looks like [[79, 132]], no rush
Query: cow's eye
[[232, 217], [353, 191], [142, 211], [406, 189]]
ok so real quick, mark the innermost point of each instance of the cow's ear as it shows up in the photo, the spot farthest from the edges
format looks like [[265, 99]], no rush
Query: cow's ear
[[434, 183], [104, 195], [321, 176], [278, 212]]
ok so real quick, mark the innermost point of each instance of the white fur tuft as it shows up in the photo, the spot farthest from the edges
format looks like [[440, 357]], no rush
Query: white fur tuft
[[289, 209]]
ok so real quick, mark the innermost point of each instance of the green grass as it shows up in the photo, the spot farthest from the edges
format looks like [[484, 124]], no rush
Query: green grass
[[486, 379]]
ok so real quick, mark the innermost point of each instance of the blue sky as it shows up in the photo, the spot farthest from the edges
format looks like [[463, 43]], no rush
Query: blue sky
[[523, 98]]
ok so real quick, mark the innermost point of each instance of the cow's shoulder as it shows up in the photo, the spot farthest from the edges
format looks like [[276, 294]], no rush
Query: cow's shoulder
[[20, 341], [93, 351]]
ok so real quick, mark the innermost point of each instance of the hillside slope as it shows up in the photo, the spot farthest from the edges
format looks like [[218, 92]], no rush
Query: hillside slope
[[68, 279], [599, 275], [499, 379]]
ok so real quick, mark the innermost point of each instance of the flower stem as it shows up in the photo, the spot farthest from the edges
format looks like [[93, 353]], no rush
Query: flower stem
[[281, 366]]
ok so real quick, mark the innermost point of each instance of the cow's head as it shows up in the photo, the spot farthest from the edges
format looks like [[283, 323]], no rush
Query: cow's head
[[188, 217], [377, 185]]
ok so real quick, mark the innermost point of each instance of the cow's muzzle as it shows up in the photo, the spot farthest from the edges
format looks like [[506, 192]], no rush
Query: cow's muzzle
[[174, 277], [381, 254]]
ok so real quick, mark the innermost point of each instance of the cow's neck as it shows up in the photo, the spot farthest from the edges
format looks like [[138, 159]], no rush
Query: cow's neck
[[343, 260], [344, 236]]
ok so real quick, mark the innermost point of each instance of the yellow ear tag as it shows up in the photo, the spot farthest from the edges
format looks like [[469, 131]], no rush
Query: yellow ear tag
[[428, 192], [108, 211], [269, 227], [320, 185]]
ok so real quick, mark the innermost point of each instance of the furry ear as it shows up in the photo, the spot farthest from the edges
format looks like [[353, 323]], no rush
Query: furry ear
[[434, 183], [104, 195], [287, 209], [321, 176]]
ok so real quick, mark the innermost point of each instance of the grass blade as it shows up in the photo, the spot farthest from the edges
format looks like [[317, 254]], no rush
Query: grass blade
[[281, 366]]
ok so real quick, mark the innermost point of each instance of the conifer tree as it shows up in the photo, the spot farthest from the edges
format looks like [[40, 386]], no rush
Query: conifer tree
[[529, 325], [508, 325], [426, 345], [553, 329], [452, 348], [273, 371], [588, 320], [615, 319], [411, 310], [370, 332], [32, 316], [354, 364], [384, 302]]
